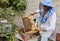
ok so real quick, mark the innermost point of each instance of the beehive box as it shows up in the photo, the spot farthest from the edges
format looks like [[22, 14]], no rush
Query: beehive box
[[29, 25], [58, 37]]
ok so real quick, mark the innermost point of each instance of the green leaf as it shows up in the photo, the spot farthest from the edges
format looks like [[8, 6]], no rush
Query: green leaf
[[6, 1]]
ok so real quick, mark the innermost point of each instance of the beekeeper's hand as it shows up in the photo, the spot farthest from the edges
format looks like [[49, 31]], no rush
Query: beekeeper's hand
[[31, 13], [39, 29], [42, 29]]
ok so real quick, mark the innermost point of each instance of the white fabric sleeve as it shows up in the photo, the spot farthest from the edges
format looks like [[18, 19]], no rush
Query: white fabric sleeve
[[52, 22], [37, 11]]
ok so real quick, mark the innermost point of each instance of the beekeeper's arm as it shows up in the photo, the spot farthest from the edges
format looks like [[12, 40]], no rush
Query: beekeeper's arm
[[35, 12], [52, 22]]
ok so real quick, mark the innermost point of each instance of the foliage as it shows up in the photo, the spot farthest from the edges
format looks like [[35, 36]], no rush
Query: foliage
[[11, 6], [9, 9]]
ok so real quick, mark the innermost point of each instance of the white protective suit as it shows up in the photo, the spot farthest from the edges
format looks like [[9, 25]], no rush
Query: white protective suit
[[49, 25]]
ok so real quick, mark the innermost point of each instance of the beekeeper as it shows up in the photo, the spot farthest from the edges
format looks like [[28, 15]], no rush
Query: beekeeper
[[47, 20]]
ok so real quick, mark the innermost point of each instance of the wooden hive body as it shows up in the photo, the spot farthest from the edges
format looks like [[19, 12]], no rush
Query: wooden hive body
[[28, 23], [58, 37]]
